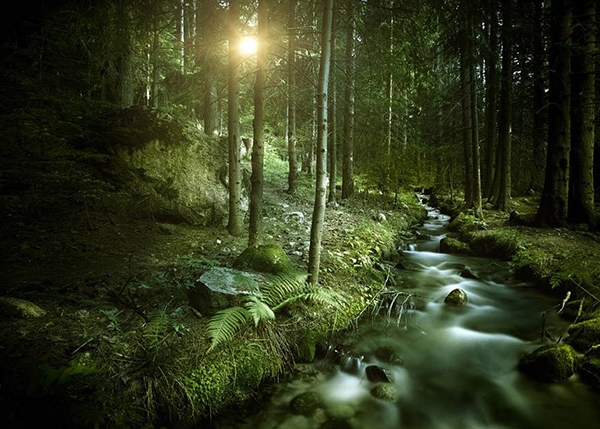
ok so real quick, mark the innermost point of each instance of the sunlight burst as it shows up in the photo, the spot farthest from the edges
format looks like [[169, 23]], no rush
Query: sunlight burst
[[248, 45]]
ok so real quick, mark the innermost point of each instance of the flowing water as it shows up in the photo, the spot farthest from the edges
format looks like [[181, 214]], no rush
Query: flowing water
[[457, 366]]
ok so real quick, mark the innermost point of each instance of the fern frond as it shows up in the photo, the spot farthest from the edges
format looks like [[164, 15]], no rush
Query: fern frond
[[316, 294], [259, 311], [225, 324], [156, 330], [281, 286]]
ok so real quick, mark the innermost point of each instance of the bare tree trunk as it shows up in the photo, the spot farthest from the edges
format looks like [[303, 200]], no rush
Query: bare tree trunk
[[539, 101], [348, 131], [581, 183], [331, 111], [466, 125], [505, 114], [234, 225], [474, 123], [491, 98], [206, 58], [316, 231], [291, 97], [258, 150], [554, 203]]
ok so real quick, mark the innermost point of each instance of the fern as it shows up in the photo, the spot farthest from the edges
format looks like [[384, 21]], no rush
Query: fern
[[281, 286], [225, 324], [155, 331], [259, 310]]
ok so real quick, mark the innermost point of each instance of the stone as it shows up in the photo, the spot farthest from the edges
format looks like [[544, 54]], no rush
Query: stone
[[488, 206], [452, 245], [336, 424], [220, 288], [293, 217], [295, 422], [466, 273], [456, 298], [584, 335], [589, 367], [549, 363], [376, 374], [340, 411], [19, 308], [306, 403], [266, 258], [385, 392], [388, 355], [381, 217]]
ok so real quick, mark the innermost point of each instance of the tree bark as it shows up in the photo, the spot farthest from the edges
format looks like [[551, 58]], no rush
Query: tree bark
[[474, 122], [466, 124], [554, 203], [258, 150], [539, 101], [581, 183], [291, 100], [316, 231], [331, 113], [206, 58], [505, 114], [234, 225], [491, 98], [348, 131]]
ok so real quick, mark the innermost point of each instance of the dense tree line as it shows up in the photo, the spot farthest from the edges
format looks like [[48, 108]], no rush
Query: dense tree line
[[490, 98]]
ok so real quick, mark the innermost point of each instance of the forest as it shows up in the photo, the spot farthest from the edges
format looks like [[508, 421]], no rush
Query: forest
[[298, 152]]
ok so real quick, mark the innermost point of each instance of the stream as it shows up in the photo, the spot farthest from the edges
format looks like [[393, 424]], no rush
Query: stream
[[453, 367]]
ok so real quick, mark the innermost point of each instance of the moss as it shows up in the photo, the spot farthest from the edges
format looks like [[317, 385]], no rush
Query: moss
[[306, 403], [266, 258], [452, 245], [385, 392], [584, 335], [465, 224], [497, 243], [532, 264], [19, 308], [549, 363], [589, 367], [456, 298]]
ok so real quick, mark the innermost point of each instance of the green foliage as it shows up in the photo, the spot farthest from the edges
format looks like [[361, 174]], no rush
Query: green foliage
[[266, 258], [66, 374], [501, 243], [277, 292]]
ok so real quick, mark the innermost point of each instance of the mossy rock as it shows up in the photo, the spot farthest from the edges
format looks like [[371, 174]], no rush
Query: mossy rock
[[306, 403], [266, 258], [452, 245], [549, 363], [19, 308], [389, 355], [385, 392], [340, 411], [457, 298], [589, 367], [584, 335]]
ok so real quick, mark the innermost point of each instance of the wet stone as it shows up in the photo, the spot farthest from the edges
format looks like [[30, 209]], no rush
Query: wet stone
[[388, 355], [466, 273], [306, 403], [340, 412], [385, 392], [376, 374], [456, 298]]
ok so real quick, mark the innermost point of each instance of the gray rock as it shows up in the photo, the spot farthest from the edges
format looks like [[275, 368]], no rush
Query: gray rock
[[294, 217], [376, 374], [220, 288], [488, 206], [466, 273], [389, 355], [381, 217], [340, 411], [457, 298], [306, 403], [19, 308]]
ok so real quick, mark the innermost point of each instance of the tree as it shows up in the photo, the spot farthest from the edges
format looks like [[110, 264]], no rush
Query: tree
[[581, 182], [316, 231], [348, 130], [234, 225], [491, 97], [291, 99], [208, 60], [332, 123], [256, 180], [505, 114], [539, 100], [554, 203]]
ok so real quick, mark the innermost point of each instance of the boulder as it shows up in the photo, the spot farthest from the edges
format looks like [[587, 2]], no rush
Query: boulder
[[457, 298], [340, 411], [549, 363], [584, 335], [220, 288], [306, 403], [376, 374], [589, 367], [295, 422], [452, 245], [385, 392], [388, 355], [466, 273], [294, 217], [336, 424], [266, 258], [19, 308], [380, 217]]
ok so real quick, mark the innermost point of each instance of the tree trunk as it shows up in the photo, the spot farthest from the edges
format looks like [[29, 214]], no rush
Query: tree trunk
[[581, 183], [208, 61], [505, 114], [234, 225], [491, 98], [466, 124], [316, 231], [348, 131], [291, 97], [474, 122], [539, 101], [554, 203], [331, 113], [258, 150]]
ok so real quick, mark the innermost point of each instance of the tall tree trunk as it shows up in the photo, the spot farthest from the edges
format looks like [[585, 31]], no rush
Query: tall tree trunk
[[258, 150], [234, 225], [206, 58], [554, 203], [291, 100], [466, 124], [331, 113], [316, 230], [491, 98], [348, 130], [539, 101], [581, 183], [505, 114], [474, 123], [391, 85]]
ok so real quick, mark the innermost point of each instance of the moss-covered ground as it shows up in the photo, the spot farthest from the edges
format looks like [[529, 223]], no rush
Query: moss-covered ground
[[119, 345]]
